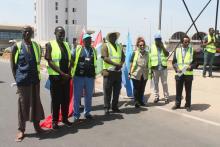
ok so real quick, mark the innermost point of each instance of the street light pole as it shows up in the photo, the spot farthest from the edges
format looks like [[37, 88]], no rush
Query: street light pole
[[148, 22], [160, 15]]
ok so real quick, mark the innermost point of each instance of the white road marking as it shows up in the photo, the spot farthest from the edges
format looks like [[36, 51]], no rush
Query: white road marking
[[190, 116], [181, 114]]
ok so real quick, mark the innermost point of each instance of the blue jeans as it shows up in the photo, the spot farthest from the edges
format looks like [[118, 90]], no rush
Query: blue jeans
[[81, 83], [208, 60]]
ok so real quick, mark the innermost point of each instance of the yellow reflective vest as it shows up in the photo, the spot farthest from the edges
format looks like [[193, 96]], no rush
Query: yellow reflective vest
[[181, 63], [211, 47], [78, 52], [37, 53], [154, 56], [114, 55], [56, 56]]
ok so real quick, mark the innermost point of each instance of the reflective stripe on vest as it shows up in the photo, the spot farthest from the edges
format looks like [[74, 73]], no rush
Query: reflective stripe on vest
[[78, 52], [56, 56], [154, 56], [37, 53], [181, 63], [211, 47], [114, 55]]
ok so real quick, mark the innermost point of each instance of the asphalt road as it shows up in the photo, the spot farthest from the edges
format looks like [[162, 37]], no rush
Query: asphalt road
[[152, 126]]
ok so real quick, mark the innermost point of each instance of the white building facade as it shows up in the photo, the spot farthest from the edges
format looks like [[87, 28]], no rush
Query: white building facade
[[71, 14]]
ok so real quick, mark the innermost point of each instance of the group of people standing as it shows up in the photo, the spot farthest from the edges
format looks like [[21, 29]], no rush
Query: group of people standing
[[80, 65]]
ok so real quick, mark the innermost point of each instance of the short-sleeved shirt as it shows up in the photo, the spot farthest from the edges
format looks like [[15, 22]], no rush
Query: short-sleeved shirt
[[64, 62], [104, 52], [142, 64]]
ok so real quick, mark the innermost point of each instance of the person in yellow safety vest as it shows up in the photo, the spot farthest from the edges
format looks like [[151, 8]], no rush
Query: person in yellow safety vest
[[58, 55], [139, 71], [113, 59], [25, 65], [84, 59], [158, 62], [209, 52], [184, 62]]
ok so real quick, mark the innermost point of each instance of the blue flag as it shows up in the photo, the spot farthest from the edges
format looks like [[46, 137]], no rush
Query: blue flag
[[126, 68]]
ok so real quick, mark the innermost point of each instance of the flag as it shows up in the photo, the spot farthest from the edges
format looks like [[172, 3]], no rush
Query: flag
[[126, 68], [47, 123], [98, 46], [81, 36]]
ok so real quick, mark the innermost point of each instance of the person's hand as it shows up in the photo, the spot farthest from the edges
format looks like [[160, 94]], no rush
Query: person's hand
[[65, 76], [189, 68], [118, 67], [178, 71]]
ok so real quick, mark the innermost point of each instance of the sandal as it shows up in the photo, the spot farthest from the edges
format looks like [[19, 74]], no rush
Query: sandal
[[19, 137]]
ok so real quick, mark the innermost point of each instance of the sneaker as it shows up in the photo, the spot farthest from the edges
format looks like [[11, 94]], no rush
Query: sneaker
[[156, 100], [67, 123], [55, 126], [188, 109], [75, 119], [89, 116], [166, 101], [175, 107]]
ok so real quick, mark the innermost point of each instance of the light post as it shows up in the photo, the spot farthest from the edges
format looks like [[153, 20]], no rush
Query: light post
[[148, 22]]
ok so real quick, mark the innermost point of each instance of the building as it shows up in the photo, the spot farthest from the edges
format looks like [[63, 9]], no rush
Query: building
[[195, 40], [9, 32], [71, 14]]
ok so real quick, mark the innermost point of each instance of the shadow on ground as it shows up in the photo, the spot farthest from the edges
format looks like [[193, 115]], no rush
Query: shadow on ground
[[200, 107]]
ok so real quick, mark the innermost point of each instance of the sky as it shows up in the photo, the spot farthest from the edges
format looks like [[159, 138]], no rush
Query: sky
[[139, 17]]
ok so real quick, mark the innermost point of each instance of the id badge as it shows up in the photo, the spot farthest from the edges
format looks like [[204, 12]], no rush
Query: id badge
[[87, 59]]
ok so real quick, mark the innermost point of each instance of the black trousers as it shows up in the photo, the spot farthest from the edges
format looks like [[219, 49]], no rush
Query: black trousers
[[111, 84], [59, 90], [180, 81], [138, 89]]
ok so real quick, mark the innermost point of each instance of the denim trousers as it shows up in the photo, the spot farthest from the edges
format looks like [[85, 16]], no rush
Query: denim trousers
[[81, 83]]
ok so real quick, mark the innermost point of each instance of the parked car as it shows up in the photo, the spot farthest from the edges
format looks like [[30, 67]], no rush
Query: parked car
[[200, 57]]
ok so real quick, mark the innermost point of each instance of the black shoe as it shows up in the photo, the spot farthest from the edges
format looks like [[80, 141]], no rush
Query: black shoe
[[89, 116], [188, 109], [175, 107], [142, 104], [203, 76], [116, 110], [67, 123], [137, 105], [107, 112], [55, 126], [156, 100], [166, 101]]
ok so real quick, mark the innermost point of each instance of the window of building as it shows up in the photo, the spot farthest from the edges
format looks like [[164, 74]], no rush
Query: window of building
[[35, 7], [66, 10], [66, 21], [74, 21], [74, 9], [56, 18], [56, 5], [35, 19]]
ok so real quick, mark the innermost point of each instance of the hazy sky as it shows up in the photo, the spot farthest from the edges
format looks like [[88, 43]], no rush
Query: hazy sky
[[139, 17]]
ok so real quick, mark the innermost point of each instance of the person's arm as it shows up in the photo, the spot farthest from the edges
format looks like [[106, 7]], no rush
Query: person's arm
[[12, 57], [174, 63], [51, 64], [166, 53], [131, 61]]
